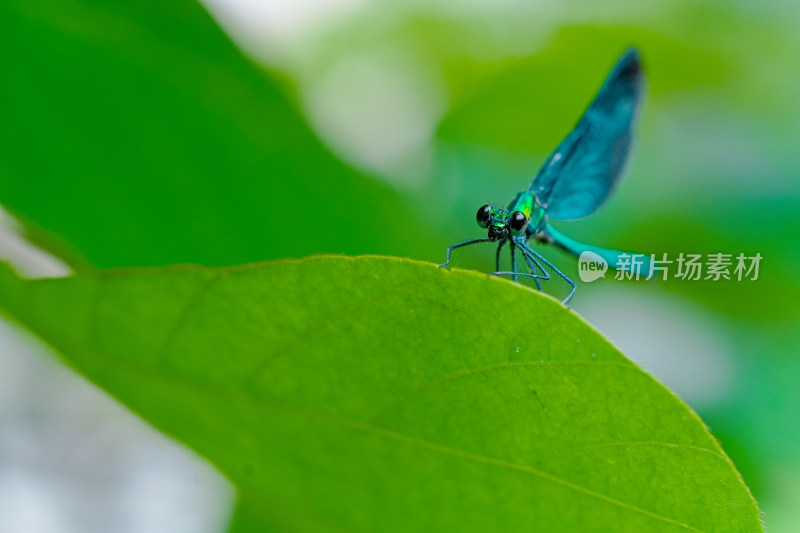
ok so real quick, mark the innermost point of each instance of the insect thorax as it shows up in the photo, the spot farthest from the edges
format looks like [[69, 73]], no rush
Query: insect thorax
[[527, 203]]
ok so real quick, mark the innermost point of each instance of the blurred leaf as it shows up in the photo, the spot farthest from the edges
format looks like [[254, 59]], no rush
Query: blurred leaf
[[138, 133], [399, 398], [528, 101], [532, 103], [770, 299]]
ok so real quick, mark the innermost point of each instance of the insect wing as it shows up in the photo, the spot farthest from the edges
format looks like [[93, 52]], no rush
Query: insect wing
[[583, 171]]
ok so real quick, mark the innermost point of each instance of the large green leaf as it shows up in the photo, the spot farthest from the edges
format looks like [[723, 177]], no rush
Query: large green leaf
[[372, 393], [140, 135]]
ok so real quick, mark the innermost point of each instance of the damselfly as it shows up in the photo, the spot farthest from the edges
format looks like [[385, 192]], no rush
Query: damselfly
[[573, 182]]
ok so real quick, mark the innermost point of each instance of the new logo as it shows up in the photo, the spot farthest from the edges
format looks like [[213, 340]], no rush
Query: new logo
[[591, 266]]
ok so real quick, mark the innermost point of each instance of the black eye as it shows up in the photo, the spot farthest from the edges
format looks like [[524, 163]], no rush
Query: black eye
[[518, 222], [483, 216]]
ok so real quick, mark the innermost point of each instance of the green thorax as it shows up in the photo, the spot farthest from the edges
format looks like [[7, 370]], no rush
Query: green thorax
[[529, 205]]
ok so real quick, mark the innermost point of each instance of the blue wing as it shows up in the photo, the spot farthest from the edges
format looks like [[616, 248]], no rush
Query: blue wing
[[581, 173]]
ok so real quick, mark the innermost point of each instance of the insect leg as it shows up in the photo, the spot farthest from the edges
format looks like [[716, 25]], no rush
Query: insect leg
[[514, 262], [533, 269], [459, 245], [536, 255], [497, 259], [518, 274], [533, 265]]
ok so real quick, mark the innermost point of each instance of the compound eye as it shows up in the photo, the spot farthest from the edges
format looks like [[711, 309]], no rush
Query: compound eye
[[483, 216], [518, 222]]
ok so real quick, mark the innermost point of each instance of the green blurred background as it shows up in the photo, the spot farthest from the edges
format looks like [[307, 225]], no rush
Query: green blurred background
[[140, 134]]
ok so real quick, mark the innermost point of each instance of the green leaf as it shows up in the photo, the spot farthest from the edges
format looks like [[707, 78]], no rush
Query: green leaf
[[139, 134], [530, 105], [372, 393]]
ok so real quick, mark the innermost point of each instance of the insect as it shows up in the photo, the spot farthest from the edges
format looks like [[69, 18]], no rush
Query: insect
[[573, 183]]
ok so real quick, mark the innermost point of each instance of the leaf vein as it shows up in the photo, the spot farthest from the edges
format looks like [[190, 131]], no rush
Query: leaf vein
[[193, 303], [446, 450], [479, 370]]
